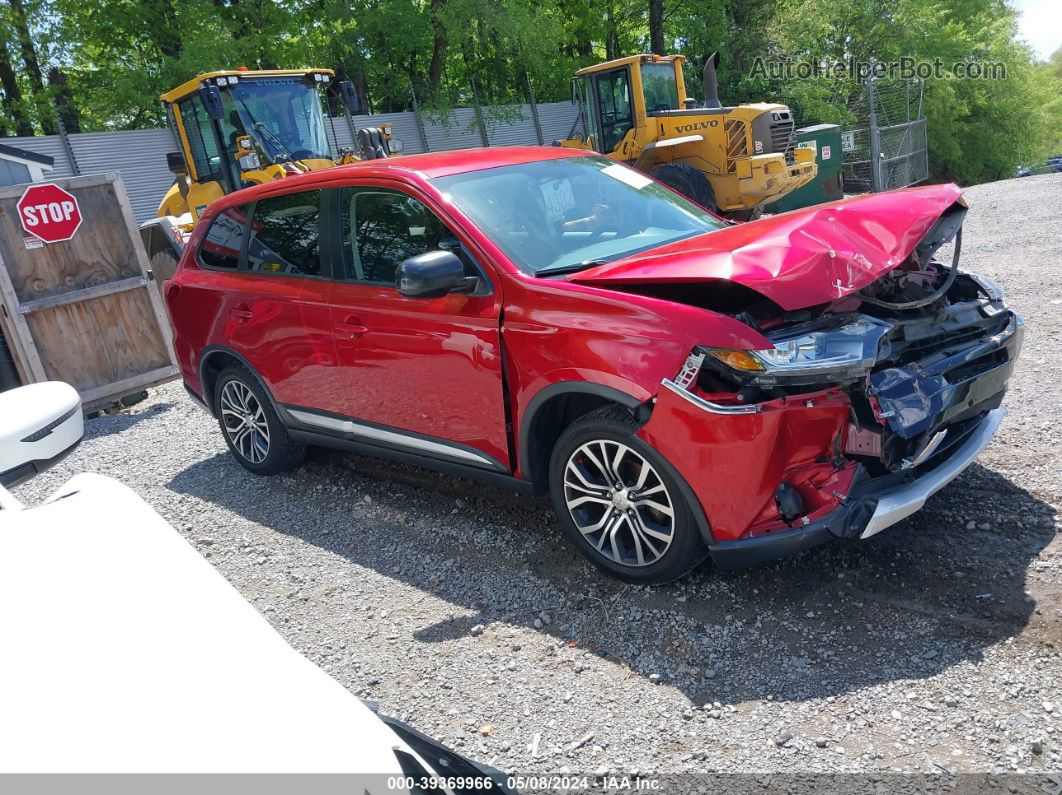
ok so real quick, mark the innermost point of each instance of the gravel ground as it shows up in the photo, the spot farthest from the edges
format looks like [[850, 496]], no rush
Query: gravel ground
[[933, 647]]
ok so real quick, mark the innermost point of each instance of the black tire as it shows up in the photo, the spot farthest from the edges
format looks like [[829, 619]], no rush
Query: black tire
[[752, 214], [688, 181], [609, 429], [281, 453]]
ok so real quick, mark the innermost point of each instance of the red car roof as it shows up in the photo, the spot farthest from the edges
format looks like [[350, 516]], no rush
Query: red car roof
[[458, 161], [429, 164]]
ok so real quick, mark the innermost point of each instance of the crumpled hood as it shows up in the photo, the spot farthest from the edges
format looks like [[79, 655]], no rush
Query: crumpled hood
[[798, 259]]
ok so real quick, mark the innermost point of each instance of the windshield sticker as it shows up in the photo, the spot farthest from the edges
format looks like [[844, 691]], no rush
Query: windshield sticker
[[559, 198], [627, 176]]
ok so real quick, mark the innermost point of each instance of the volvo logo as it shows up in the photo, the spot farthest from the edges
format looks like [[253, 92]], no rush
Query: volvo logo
[[698, 126]]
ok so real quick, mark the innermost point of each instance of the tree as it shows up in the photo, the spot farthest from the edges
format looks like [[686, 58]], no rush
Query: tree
[[15, 116], [656, 27], [107, 63], [65, 106], [438, 48], [31, 62]]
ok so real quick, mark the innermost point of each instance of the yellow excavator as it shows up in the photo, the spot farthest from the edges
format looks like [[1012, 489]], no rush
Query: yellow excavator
[[732, 160], [243, 127]]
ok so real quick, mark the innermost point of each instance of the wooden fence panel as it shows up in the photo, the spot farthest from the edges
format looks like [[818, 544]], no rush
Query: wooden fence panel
[[84, 310]]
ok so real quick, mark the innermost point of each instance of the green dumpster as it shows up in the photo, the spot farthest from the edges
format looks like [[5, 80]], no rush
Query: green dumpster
[[825, 139]]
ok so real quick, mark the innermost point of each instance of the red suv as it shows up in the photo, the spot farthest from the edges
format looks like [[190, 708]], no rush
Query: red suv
[[559, 322]]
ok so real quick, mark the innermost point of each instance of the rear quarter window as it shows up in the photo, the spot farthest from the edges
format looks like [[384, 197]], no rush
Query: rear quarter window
[[224, 238]]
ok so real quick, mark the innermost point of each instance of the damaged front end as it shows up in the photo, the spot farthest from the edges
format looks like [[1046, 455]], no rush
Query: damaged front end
[[863, 408]]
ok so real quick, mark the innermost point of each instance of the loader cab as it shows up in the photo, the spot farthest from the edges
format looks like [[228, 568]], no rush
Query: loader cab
[[239, 128], [620, 95]]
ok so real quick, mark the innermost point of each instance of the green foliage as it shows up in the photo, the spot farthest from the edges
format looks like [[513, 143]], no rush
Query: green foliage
[[118, 56]]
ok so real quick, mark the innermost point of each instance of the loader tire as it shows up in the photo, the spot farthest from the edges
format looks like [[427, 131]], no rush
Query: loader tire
[[688, 181]]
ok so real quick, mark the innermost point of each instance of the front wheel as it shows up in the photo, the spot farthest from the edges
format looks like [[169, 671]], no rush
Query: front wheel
[[619, 503]]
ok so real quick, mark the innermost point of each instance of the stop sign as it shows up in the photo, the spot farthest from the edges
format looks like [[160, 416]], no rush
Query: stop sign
[[49, 213]]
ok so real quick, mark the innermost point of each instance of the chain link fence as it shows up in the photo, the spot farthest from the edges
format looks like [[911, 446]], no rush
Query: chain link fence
[[885, 146]]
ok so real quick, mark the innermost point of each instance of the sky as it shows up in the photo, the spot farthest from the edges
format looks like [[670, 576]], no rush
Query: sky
[[1040, 24]]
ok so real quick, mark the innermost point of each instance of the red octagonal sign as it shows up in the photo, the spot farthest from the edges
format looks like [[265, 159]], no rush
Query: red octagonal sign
[[49, 213]]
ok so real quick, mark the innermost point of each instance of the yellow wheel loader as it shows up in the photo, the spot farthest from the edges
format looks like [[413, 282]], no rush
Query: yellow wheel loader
[[243, 127], [732, 161]]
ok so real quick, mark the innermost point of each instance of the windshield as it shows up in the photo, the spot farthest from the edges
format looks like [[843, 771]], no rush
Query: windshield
[[281, 114], [563, 215], [659, 86]]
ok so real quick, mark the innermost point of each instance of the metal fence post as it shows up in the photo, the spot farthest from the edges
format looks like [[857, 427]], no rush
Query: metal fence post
[[65, 137], [534, 111], [479, 115], [419, 121], [875, 139], [353, 129]]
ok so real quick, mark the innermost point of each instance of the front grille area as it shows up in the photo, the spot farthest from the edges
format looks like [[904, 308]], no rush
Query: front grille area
[[782, 128], [943, 381], [921, 349]]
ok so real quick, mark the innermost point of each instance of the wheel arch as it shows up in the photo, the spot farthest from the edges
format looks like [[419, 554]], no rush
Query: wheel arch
[[550, 411], [214, 360]]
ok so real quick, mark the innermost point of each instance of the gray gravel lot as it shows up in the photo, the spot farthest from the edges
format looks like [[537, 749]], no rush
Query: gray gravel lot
[[934, 646]]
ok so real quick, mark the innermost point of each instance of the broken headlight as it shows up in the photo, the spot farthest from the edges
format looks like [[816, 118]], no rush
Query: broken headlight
[[831, 354]]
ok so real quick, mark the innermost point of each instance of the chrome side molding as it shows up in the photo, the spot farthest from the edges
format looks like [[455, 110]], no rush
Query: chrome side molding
[[372, 433]]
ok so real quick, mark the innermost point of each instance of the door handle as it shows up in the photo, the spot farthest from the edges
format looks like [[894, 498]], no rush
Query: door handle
[[241, 312], [351, 327]]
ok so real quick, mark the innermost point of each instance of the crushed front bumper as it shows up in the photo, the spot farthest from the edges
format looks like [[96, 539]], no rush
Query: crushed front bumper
[[872, 505], [902, 501], [939, 410]]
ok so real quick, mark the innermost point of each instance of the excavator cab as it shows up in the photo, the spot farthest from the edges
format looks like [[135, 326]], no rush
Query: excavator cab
[[239, 128], [244, 127], [732, 160], [616, 99]]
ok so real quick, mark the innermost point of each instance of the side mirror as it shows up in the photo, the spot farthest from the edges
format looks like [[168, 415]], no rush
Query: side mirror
[[210, 96], [432, 274], [39, 425], [350, 98]]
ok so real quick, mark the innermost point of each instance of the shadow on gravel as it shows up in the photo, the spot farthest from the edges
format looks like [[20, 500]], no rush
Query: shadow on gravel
[[934, 592], [122, 420]]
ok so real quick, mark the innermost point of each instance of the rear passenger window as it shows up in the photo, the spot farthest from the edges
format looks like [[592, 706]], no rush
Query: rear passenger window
[[284, 235], [221, 245]]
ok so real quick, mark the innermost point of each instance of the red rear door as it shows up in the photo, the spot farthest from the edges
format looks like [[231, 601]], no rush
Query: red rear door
[[273, 309]]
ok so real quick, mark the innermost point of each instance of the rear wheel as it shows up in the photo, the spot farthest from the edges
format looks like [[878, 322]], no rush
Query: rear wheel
[[688, 181], [252, 429], [619, 503]]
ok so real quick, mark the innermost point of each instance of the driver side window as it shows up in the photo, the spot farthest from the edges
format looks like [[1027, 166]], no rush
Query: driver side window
[[614, 102], [381, 228]]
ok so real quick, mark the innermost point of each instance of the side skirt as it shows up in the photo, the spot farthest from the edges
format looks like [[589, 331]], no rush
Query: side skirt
[[494, 478], [357, 436]]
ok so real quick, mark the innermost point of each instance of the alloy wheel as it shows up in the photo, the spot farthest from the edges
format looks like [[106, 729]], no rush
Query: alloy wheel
[[619, 503], [244, 421]]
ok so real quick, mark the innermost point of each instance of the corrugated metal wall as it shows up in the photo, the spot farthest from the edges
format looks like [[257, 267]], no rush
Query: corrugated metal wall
[[518, 132], [50, 145], [556, 119], [140, 155], [461, 131]]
